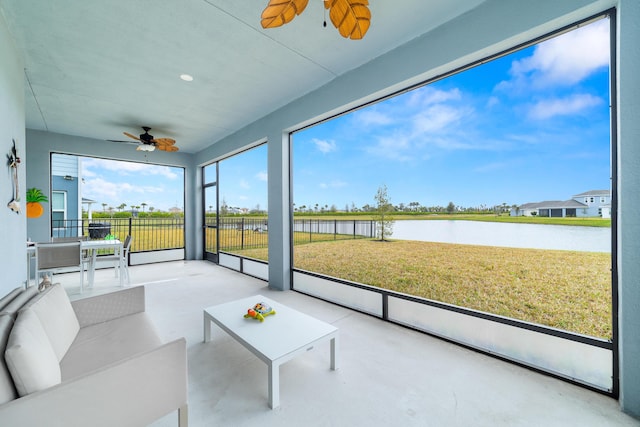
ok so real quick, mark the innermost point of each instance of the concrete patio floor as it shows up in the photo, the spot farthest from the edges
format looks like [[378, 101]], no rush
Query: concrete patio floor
[[389, 375]]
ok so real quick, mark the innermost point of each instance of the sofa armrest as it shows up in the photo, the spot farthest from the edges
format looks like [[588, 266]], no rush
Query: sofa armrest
[[102, 308], [133, 392]]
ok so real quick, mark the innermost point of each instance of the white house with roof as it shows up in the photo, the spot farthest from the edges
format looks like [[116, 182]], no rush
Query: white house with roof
[[594, 203]]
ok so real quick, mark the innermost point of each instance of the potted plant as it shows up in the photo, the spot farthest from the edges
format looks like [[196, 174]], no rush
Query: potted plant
[[34, 199]]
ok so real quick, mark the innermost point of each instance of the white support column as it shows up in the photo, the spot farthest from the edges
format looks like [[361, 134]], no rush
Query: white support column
[[628, 93], [279, 212]]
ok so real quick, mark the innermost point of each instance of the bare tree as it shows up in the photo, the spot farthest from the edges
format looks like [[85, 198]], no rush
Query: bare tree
[[382, 214]]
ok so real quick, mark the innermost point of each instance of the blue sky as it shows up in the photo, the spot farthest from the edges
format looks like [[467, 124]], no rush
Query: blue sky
[[115, 182], [243, 179], [530, 126]]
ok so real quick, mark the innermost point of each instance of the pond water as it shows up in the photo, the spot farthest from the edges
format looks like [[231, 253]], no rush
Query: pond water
[[537, 236]]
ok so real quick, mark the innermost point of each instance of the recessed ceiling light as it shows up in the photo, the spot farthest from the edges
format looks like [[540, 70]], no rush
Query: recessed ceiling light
[[186, 77]]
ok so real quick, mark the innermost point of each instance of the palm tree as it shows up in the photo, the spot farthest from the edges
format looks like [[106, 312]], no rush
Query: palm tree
[[122, 206], [143, 204], [104, 207]]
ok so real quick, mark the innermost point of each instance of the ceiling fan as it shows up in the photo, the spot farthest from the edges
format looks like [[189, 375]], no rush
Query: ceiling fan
[[149, 143]]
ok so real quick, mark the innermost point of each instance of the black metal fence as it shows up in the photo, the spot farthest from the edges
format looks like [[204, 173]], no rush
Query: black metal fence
[[252, 233], [148, 233], [312, 230], [235, 233]]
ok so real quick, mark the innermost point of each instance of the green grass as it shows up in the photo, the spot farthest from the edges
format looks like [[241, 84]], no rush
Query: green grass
[[568, 290]]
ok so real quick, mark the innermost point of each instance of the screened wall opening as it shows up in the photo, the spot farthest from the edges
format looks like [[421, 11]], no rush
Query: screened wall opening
[[236, 219], [103, 198], [479, 180]]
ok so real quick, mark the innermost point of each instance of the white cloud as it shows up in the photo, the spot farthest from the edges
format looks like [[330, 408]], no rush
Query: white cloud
[[244, 184], [262, 176], [437, 118], [372, 117], [492, 167], [332, 184], [563, 60], [562, 107], [125, 168], [493, 101], [114, 193], [396, 147], [428, 95], [324, 146]]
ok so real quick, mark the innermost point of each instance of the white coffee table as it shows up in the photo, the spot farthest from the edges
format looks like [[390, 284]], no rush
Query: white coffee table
[[280, 338]]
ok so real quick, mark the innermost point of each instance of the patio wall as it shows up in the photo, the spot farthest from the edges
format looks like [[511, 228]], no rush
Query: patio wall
[[14, 226]]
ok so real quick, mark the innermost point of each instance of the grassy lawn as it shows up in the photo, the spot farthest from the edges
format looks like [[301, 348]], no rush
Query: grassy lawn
[[562, 289]]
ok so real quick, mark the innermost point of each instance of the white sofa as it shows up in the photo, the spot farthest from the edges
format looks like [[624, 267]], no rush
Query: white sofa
[[97, 361]]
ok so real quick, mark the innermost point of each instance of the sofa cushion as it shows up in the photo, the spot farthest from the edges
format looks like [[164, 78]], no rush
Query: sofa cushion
[[105, 343], [7, 389], [30, 357], [21, 299], [10, 296], [57, 317]]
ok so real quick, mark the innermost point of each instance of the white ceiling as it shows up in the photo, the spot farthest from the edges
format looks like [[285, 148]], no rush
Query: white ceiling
[[98, 68]]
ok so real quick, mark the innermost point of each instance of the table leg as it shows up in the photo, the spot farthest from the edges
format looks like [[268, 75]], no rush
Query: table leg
[[274, 385], [207, 328], [28, 283], [121, 266], [92, 267], [334, 352]]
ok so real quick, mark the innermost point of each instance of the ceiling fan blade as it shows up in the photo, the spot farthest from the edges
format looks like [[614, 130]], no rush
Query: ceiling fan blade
[[280, 12], [164, 141], [351, 17], [169, 148], [131, 136]]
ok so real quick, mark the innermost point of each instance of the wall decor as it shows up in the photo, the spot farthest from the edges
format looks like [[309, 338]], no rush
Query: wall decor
[[35, 198], [13, 162]]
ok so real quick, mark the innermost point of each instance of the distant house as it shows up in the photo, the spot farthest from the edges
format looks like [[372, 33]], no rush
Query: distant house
[[594, 203], [66, 200]]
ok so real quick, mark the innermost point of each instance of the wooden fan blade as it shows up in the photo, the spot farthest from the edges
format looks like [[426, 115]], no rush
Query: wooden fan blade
[[351, 17], [131, 136], [164, 141], [280, 12], [167, 147]]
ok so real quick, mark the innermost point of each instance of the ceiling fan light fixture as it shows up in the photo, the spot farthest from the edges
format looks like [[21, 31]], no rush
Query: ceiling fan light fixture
[[146, 147]]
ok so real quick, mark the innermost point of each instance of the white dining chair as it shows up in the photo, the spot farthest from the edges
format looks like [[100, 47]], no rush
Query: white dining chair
[[120, 259], [53, 257]]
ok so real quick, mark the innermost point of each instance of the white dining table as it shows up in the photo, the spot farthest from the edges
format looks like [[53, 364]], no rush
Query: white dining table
[[92, 247]]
